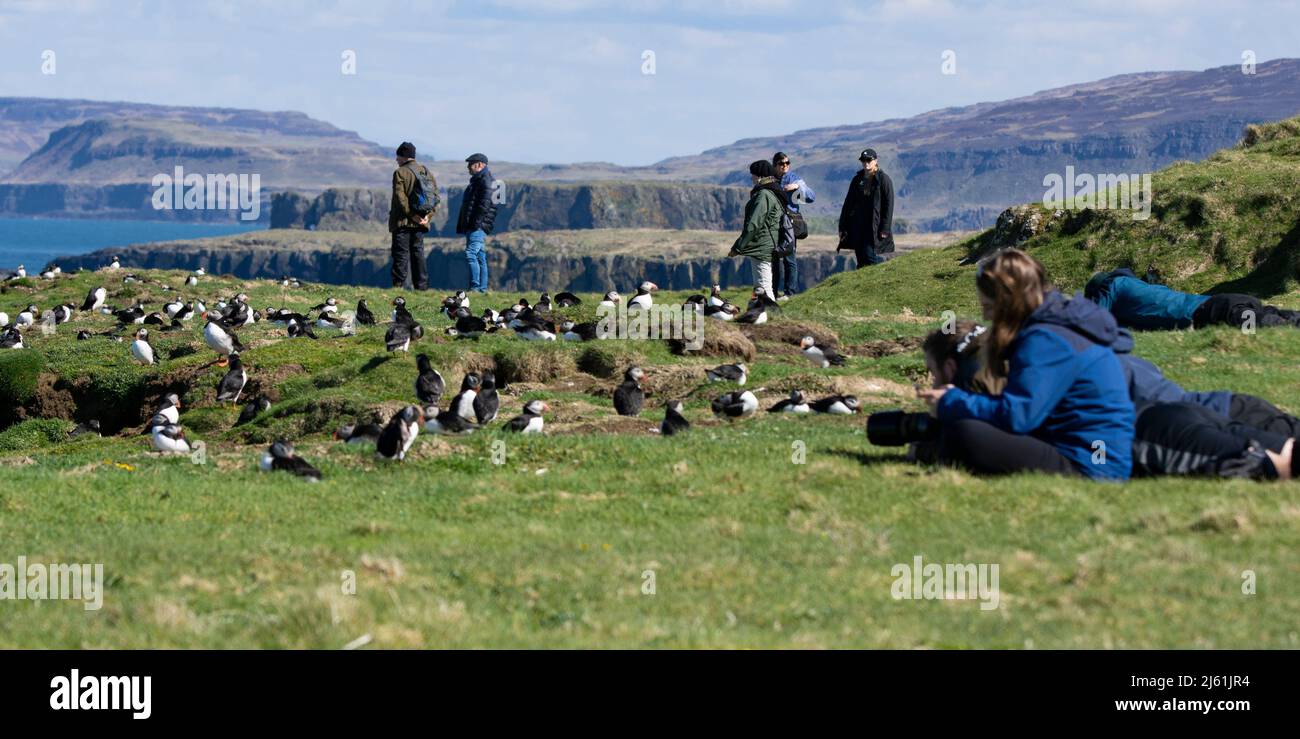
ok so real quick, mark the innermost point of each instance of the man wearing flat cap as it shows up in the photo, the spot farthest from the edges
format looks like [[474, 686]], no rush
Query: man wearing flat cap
[[478, 212], [867, 217]]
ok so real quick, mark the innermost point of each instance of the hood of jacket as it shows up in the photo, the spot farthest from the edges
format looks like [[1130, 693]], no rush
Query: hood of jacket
[[1078, 314]]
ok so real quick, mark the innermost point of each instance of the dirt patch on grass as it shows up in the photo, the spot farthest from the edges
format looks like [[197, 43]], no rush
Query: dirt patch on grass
[[603, 359], [886, 347], [720, 340], [792, 332], [533, 366], [642, 424], [52, 399]]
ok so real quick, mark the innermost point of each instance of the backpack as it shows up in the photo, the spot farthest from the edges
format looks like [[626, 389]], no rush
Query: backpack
[[787, 234], [424, 194]]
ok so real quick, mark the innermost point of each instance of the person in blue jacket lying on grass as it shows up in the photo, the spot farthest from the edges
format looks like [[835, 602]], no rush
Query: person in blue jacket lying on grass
[[1150, 307]]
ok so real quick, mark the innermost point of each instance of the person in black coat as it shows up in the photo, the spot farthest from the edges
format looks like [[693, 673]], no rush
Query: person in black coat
[[478, 212], [867, 217]]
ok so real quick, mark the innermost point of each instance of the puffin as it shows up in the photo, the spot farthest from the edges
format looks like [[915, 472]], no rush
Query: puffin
[[280, 456], [329, 306], [446, 422], [4, 319], [28, 316], [287, 281], [63, 313], [695, 303], [192, 280], [155, 319], [429, 385], [736, 373], [175, 325], [130, 277], [331, 320], [115, 264], [362, 433], [141, 351], [629, 397], [200, 271], [535, 329], [796, 403], [837, 404], [821, 356], [19, 273], [486, 404], [740, 404], [400, 313], [11, 339], [174, 308], [715, 297], [469, 325], [674, 421], [134, 314], [398, 436], [543, 303], [85, 429], [642, 299], [257, 405], [463, 404], [188, 312], [567, 300], [611, 300], [724, 312], [300, 330], [170, 438], [168, 413], [233, 383], [95, 298], [585, 331], [756, 312], [453, 303], [364, 316], [51, 272], [398, 337], [530, 421], [220, 338], [83, 334]]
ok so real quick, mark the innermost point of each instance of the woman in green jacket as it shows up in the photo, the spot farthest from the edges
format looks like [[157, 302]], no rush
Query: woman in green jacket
[[762, 229]]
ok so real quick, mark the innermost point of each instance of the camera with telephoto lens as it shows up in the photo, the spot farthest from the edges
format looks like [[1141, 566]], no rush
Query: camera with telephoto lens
[[896, 428]]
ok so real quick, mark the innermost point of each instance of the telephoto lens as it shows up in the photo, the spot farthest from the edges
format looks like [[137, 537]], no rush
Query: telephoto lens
[[896, 428]]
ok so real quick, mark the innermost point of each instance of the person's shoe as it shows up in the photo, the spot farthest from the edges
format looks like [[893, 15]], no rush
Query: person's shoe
[[783, 298]]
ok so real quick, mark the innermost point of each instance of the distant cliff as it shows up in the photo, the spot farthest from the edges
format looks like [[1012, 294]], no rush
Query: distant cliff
[[537, 206], [592, 260]]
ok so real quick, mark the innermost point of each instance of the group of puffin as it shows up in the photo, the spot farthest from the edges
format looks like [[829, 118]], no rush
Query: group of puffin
[[472, 408]]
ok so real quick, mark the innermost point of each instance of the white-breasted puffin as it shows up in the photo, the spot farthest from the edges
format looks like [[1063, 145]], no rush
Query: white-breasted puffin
[[19, 273], [398, 436], [724, 312], [585, 331], [11, 339], [28, 316], [715, 297], [611, 300], [567, 300], [463, 404], [141, 351], [298, 330], [736, 373], [486, 402], [95, 299], [170, 438], [281, 456], [233, 383], [361, 433], [85, 429], [674, 421], [329, 306], [629, 397], [843, 405], [192, 280], [446, 422], [115, 264], [796, 403], [220, 338], [756, 312], [51, 272], [643, 297], [530, 421], [821, 356], [429, 385], [260, 404], [63, 313], [168, 413], [740, 404], [173, 308]]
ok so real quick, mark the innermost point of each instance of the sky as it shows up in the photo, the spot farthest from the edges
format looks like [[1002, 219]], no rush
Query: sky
[[624, 81]]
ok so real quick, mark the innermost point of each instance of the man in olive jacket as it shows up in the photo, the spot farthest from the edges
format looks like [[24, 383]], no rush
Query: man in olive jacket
[[762, 227], [478, 212], [406, 226], [867, 217]]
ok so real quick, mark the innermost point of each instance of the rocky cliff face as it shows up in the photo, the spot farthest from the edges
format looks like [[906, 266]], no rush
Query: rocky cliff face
[[519, 260], [111, 201], [534, 206]]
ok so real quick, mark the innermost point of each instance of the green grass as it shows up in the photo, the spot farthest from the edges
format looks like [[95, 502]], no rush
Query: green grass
[[772, 532]]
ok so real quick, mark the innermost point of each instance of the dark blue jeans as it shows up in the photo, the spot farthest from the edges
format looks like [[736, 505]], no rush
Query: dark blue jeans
[[785, 274]]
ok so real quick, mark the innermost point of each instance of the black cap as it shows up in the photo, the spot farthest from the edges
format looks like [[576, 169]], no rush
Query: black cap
[[407, 149], [762, 168], [867, 155], [476, 157]]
